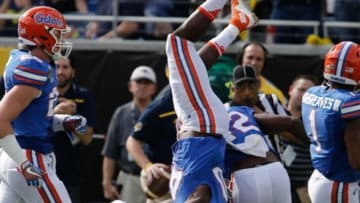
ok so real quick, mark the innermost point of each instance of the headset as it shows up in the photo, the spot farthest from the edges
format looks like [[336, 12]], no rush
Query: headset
[[239, 57]]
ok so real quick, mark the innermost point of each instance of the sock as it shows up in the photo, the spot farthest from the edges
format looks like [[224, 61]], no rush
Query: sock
[[211, 8], [224, 39]]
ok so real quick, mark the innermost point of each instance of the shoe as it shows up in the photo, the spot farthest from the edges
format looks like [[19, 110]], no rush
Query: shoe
[[241, 16]]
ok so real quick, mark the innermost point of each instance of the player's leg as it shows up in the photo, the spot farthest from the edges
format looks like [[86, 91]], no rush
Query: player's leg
[[188, 71], [322, 189], [200, 109], [7, 194], [199, 21], [241, 19], [267, 183], [51, 190]]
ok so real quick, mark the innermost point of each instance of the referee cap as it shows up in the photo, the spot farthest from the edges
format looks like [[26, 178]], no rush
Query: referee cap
[[242, 73], [143, 72]]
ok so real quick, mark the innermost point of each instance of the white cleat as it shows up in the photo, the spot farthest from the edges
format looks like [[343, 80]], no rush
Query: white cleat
[[241, 16]]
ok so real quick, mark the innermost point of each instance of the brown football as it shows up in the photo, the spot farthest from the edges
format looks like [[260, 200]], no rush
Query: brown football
[[155, 188]]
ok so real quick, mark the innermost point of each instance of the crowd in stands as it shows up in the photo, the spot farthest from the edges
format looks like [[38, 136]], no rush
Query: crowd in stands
[[302, 10]]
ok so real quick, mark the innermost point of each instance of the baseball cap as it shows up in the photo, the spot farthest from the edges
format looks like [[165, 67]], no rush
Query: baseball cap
[[143, 72], [242, 73]]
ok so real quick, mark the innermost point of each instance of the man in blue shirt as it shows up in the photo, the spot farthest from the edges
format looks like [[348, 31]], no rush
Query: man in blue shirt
[[156, 129]]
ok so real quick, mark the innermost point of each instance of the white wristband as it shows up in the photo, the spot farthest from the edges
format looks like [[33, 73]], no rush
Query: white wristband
[[58, 120], [12, 148]]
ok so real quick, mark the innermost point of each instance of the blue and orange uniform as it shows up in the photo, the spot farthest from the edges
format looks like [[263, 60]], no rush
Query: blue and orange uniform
[[33, 127], [325, 112], [196, 160]]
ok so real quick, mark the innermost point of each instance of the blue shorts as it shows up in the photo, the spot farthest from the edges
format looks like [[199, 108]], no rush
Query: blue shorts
[[198, 161]]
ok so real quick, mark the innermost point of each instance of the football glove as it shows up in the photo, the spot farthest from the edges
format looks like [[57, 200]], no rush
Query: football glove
[[32, 174], [74, 125]]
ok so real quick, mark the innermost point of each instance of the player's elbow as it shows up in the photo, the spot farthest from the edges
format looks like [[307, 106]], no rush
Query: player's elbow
[[133, 145], [130, 144]]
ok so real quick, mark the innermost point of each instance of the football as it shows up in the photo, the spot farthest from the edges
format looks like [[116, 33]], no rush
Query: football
[[155, 188]]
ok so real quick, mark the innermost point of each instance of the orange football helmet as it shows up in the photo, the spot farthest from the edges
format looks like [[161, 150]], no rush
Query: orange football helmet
[[44, 27], [342, 63]]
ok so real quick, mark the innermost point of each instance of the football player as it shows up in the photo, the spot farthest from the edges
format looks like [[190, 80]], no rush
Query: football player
[[27, 122], [198, 154], [331, 116]]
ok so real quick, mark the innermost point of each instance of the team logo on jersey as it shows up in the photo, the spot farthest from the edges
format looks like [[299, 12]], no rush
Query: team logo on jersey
[[138, 126], [42, 19]]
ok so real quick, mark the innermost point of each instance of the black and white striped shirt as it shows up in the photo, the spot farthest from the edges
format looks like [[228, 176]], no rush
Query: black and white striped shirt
[[296, 158]]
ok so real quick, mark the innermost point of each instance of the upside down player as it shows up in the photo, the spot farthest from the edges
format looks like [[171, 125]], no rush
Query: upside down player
[[331, 116], [27, 123], [198, 154]]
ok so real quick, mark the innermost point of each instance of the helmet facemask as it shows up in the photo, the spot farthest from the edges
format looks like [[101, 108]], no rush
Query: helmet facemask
[[60, 48]]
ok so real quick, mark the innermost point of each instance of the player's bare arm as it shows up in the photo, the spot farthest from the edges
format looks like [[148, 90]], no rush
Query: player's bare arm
[[352, 142], [290, 126]]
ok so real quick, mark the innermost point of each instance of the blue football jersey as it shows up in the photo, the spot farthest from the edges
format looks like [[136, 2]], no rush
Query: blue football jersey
[[33, 126], [246, 135], [324, 112], [245, 139]]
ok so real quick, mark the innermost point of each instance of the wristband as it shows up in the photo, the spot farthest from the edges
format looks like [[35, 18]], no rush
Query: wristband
[[57, 124], [13, 149], [147, 166]]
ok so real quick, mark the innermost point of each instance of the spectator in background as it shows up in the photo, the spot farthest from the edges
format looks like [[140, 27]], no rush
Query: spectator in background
[[73, 100], [348, 10], [294, 10], [295, 157], [254, 54], [142, 86], [9, 28], [156, 128], [66, 6], [219, 75], [73, 7], [124, 29], [158, 8]]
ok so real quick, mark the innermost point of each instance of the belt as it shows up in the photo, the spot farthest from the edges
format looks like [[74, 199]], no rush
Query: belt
[[131, 172], [188, 134], [253, 162]]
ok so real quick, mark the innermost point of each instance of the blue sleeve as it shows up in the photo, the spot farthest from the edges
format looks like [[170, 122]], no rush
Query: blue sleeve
[[146, 124], [32, 72], [350, 109]]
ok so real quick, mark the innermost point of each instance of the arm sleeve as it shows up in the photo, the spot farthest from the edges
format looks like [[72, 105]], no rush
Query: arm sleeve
[[32, 73]]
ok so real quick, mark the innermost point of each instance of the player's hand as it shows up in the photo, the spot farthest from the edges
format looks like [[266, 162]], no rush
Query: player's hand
[[65, 106], [157, 169], [110, 191], [31, 173], [74, 125]]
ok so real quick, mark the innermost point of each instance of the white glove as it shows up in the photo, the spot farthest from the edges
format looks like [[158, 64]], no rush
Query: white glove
[[32, 174], [73, 125]]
